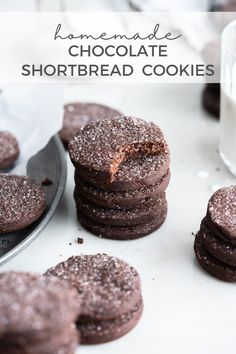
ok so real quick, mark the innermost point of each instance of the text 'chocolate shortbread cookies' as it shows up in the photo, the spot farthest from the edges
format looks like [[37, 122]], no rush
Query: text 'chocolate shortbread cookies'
[[38, 314], [9, 150], [121, 174], [22, 202], [215, 244], [110, 292], [78, 114]]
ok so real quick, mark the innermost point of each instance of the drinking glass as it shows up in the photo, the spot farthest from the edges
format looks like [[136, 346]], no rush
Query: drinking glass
[[228, 98]]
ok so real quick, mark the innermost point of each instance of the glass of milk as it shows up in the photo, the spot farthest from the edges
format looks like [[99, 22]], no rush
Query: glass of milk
[[228, 98]]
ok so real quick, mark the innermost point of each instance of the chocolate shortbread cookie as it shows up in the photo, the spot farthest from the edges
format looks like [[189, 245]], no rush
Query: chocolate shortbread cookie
[[22, 202], [123, 233], [211, 264], [221, 214], [64, 342], [121, 200], [137, 215], [108, 286], [96, 332], [102, 147], [211, 99], [9, 149], [216, 246], [35, 306], [78, 114], [132, 175]]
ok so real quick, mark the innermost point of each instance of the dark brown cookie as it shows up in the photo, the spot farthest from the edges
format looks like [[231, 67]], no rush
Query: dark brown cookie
[[133, 174], [211, 264], [108, 286], [9, 150], [123, 232], [96, 332], [77, 115], [211, 99], [65, 342], [221, 213], [215, 246], [123, 217], [35, 306], [22, 202], [121, 200], [102, 147]]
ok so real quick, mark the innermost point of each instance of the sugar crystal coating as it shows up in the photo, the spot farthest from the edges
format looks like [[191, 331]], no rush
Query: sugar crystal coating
[[104, 145], [222, 210], [31, 303], [22, 199], [78, 114], [107, 286]]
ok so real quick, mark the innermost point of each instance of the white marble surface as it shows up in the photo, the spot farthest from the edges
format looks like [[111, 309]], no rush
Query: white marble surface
[[186, 310]]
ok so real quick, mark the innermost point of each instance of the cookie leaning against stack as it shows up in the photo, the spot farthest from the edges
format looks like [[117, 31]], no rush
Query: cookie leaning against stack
[[37, 315], [78, 114], [110, 292], [215, 243], [121, 173]]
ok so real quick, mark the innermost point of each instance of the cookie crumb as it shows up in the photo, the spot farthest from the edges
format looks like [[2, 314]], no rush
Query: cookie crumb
[[80, 240], [46, 182], [70, 244], [192, 233]]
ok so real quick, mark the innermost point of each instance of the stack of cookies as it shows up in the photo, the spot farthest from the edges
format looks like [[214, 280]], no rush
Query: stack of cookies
[[215, 243], [110, 292], [37, 315], [121, 174]]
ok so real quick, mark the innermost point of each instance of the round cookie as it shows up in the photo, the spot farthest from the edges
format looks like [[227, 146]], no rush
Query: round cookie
[[121, 200], [35, 306], [221, 213], [102, 147], [108, 286], [122, 233], [106, 331], [78, 114], [62, 343], [211, 100], [140, 214], [22, 202], [132, 175], [9, 149], [217, 247], [211, 264]]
